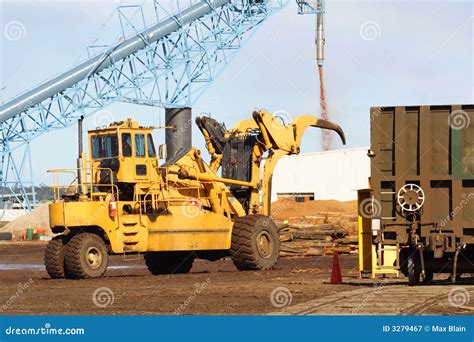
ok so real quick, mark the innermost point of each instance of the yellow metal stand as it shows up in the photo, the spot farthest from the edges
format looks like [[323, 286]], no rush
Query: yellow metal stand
[[365, 246], [374, 259], [384, 260]]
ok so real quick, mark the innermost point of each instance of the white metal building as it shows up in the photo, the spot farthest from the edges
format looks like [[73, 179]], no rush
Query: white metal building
[[328, 175]]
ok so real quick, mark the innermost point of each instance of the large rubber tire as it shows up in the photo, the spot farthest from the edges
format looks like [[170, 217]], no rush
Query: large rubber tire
[[54, 257], [169, 262], [255, 243], [414, 270], [428, 278], [86, 256]]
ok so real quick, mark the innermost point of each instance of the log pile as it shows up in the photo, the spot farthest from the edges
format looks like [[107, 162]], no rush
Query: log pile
[[318, 235], [316, 227]]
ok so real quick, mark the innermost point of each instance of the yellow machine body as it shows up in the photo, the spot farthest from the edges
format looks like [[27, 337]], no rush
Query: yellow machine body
[[143, 233], [135, 204]]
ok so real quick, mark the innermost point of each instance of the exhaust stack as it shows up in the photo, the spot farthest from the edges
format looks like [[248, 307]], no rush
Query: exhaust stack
[[178, 132]]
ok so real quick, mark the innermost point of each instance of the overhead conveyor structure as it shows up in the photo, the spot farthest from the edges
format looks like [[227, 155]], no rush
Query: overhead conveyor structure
[[168, 63]]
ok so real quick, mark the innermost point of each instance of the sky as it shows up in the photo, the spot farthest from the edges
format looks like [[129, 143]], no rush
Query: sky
[[377, 53]]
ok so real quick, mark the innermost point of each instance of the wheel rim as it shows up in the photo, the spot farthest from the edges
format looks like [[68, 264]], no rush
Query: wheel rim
[[264, 244], [93, 257]]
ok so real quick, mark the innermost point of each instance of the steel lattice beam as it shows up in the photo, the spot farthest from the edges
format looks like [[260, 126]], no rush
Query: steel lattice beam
[[170, 72]]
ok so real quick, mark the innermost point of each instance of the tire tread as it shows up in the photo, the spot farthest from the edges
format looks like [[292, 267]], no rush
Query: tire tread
[[54, 257], [242, 253], [73, 255]]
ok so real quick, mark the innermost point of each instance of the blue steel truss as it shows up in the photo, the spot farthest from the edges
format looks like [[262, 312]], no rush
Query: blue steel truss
[[310, 7], [171, 72]]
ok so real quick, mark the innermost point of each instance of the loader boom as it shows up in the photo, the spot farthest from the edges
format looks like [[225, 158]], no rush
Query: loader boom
[[274, 138]]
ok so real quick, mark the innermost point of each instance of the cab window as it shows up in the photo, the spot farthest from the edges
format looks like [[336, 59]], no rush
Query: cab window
[[139, 145], [126, 145], [151, 147], [104, 146]]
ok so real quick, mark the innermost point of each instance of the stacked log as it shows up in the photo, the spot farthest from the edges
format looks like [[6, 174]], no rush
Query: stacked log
[[309, 239]]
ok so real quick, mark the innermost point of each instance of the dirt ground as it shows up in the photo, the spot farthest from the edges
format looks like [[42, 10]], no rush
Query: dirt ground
[[222, 289], [213, 288]]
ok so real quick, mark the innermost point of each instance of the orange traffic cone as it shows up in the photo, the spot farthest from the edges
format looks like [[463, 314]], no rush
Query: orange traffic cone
[[336, 277]]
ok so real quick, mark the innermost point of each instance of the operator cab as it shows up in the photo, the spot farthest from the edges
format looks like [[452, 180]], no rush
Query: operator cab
[[123, 153]]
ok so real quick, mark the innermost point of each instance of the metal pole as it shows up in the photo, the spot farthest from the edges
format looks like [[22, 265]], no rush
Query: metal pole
[[33, 191], [320, 40], [79, 151]]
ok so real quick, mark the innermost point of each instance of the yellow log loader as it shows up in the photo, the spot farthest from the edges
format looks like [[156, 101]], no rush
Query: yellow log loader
[[122, 200]]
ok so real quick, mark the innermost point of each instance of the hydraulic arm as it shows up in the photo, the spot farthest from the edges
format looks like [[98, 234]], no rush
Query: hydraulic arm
[[241, 150]]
